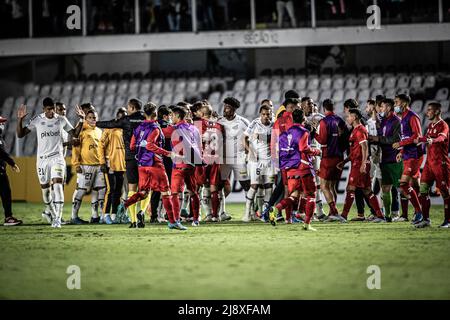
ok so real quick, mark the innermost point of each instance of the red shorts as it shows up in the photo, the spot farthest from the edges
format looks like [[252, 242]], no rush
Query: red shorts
[[359, 180], [284, 177], [181, 177], [153, 178], [438, 173], [329, 170], [298, 181], [411, 167], [209, 174]]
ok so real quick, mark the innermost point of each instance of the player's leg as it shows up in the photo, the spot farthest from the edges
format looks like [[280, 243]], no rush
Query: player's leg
[[259, 199], [309, 192], [395, 207], [409, 171], [372, 199], [43, 172], [57, 172], [154, 203], [99, 185], [190, 181], [116, 193], [77, 198], [387, 200], [5, 196], [255, 180], [110, 182], [288, 203], [225, 173], [177, 187], [132, 173]]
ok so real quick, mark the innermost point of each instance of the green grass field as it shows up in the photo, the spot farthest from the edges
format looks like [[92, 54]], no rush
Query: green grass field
[[230, 260]]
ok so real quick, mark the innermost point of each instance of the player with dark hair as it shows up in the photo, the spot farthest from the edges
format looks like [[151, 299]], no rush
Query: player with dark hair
[[360, 167], [436, 166], [411, 152]]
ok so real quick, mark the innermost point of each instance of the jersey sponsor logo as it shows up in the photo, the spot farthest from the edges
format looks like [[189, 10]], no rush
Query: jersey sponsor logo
[[49, 134], [92, 146]]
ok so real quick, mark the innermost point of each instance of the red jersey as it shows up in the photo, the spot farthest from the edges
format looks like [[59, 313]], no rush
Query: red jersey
[[437, 152], [306, 165], [212, 137], [282, 124], [358, 136]]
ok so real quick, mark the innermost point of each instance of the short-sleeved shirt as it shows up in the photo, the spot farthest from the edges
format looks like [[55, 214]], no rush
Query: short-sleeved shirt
[[437, 152], [49, 133], [358, 136], [234, 142], [259, 136]]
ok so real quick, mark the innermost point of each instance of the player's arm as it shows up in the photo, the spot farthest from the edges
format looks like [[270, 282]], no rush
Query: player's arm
[[365, 153], [103, 146], [439, 139], [416, 129], [111, 124], [21, 114], [321, 135], [305, 147], [151, 144], [76, 156]]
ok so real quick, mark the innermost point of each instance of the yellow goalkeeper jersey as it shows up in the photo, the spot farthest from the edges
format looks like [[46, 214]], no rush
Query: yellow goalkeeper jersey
[[112, 149], [87, 153]]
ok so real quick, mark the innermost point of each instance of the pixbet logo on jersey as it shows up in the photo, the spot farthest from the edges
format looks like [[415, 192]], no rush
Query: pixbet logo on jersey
[[49, 134]]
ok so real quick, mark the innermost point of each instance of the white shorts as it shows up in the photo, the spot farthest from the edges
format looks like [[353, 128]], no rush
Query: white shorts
[[50, 168], [261, 172], [316, 165], [375, 171], [240, 172], [92, 177]]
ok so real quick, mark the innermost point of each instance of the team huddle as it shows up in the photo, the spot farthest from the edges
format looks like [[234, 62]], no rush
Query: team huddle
[[175, 162]]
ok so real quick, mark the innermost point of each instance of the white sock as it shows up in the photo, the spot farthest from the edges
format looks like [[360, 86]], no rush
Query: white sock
[[319, 203], [267, 195], [222, 209], [249, 198], [48, 201], [76, 201], [59, 200], [113, 216], [260, 199], [206, 200], [101, 199], [94, 204], [185, 201]]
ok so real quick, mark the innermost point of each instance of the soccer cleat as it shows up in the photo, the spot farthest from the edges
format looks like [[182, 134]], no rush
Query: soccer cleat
[[423, 224], [388, 219], [342, 219], [417, 218], [307, 227], [56, 224], [78, 220], [195, 224], [225, 216], [141, 222], [358, 218], [280, 217], [180, 226], [321, 217], [215, 219], [272, 218], [296, 218], [445, 224], [400, 219], [11, 221], [378, 220], [333, 218], [371, 217], [132, 225], [64, 222], [289, 221], [208, 218], [47, 216], [176, 225], [95, 220], [395, 214], [108, 219], [265, 212]]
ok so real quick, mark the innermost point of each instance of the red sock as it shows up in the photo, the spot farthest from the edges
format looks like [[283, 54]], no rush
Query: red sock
[[302, 207], [310, 207], [333, 209], [215, 203], [195, 205], [373, 201], [133, 199], [286, 204], [426, 204], [412, 195], [349, 198], [176, 207], [404, 202], [167, 203], [447, 208]]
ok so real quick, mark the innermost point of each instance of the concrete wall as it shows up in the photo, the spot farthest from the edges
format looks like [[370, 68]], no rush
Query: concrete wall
[[283, 58], [116, 62]]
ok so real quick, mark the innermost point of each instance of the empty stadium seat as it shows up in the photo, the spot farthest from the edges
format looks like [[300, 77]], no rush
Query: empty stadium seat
[[100, 88], [45, 90], [31, 89], [442, 94], [239, 85], [252, 85], [390, 93], [445, 105], [180, 86], [429, 82], [338, 95], [403, 82], [390, 82], [264, 85], [288, 84], [314, 94], [364, 83], [417, 106], [133, 87], [377, 82], [416, 82], [192, 86], [325, 94], [325, 83], [300, 84], [145, 88], [275, 96], [78, 89], [364, 95], [111, 87], [157, 86], [351, 82], [313, 83], [276, 84], [250, 97], [122, 87]]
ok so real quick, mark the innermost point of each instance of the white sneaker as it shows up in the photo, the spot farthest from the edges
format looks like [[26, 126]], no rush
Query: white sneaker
[[423, 224], [56, 224], [47, 216], [400, 219], [208, 218], [195, 224], [214, 219], [246, 218], [333, 218], [225, 217]]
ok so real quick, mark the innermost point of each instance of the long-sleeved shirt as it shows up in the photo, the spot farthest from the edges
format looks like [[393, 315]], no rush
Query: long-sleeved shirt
[[112, 149], [5, 158], [87, 153], [437, 151], [307, 152]]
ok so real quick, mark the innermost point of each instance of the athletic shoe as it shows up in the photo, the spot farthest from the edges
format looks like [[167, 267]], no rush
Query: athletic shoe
[[288, 221], [423, 224], [265, 212], [358, 218], [95, 220], [180, 226], [47, 216], [342, 219], [153, 220], [176, 225], [246, 218], [395, 214], [378, 220], [56, 224], [400, 219], [388, 219], [272, 218], [445, 224], [208, 218], [371, 217], [280, 217], [333, 218], [215, 219], [321, 216], [64, 222], [307, 227], [78, 220], [102, 221], [108, 219], [296, 218], [225, 216], [184, 213], [140, 218], [11, 221], [132, 225], [195, 224], [417, 218]]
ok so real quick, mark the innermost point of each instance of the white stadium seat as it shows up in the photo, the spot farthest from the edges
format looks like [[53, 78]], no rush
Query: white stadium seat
[[417, 106], [442, 94]]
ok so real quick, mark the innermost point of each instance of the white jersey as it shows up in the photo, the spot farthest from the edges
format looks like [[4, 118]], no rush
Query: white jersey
[[372, 130], [259, 140], [314, 120], [49, 134], [234, 139]]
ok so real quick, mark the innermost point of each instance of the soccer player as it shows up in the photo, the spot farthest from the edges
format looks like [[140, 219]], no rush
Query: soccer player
[[5, 190], [212, 137], [360, 167], [112, 162], [147, 142], [436, 166], [186, 143], [234, 159], [86, 161], [295, 155], [128, 123], [262, 172], [50, 162], [411, 152], [388, 133], [332, 134]]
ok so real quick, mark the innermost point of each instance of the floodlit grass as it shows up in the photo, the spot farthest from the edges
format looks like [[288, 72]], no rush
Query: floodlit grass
[[230, 260]]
